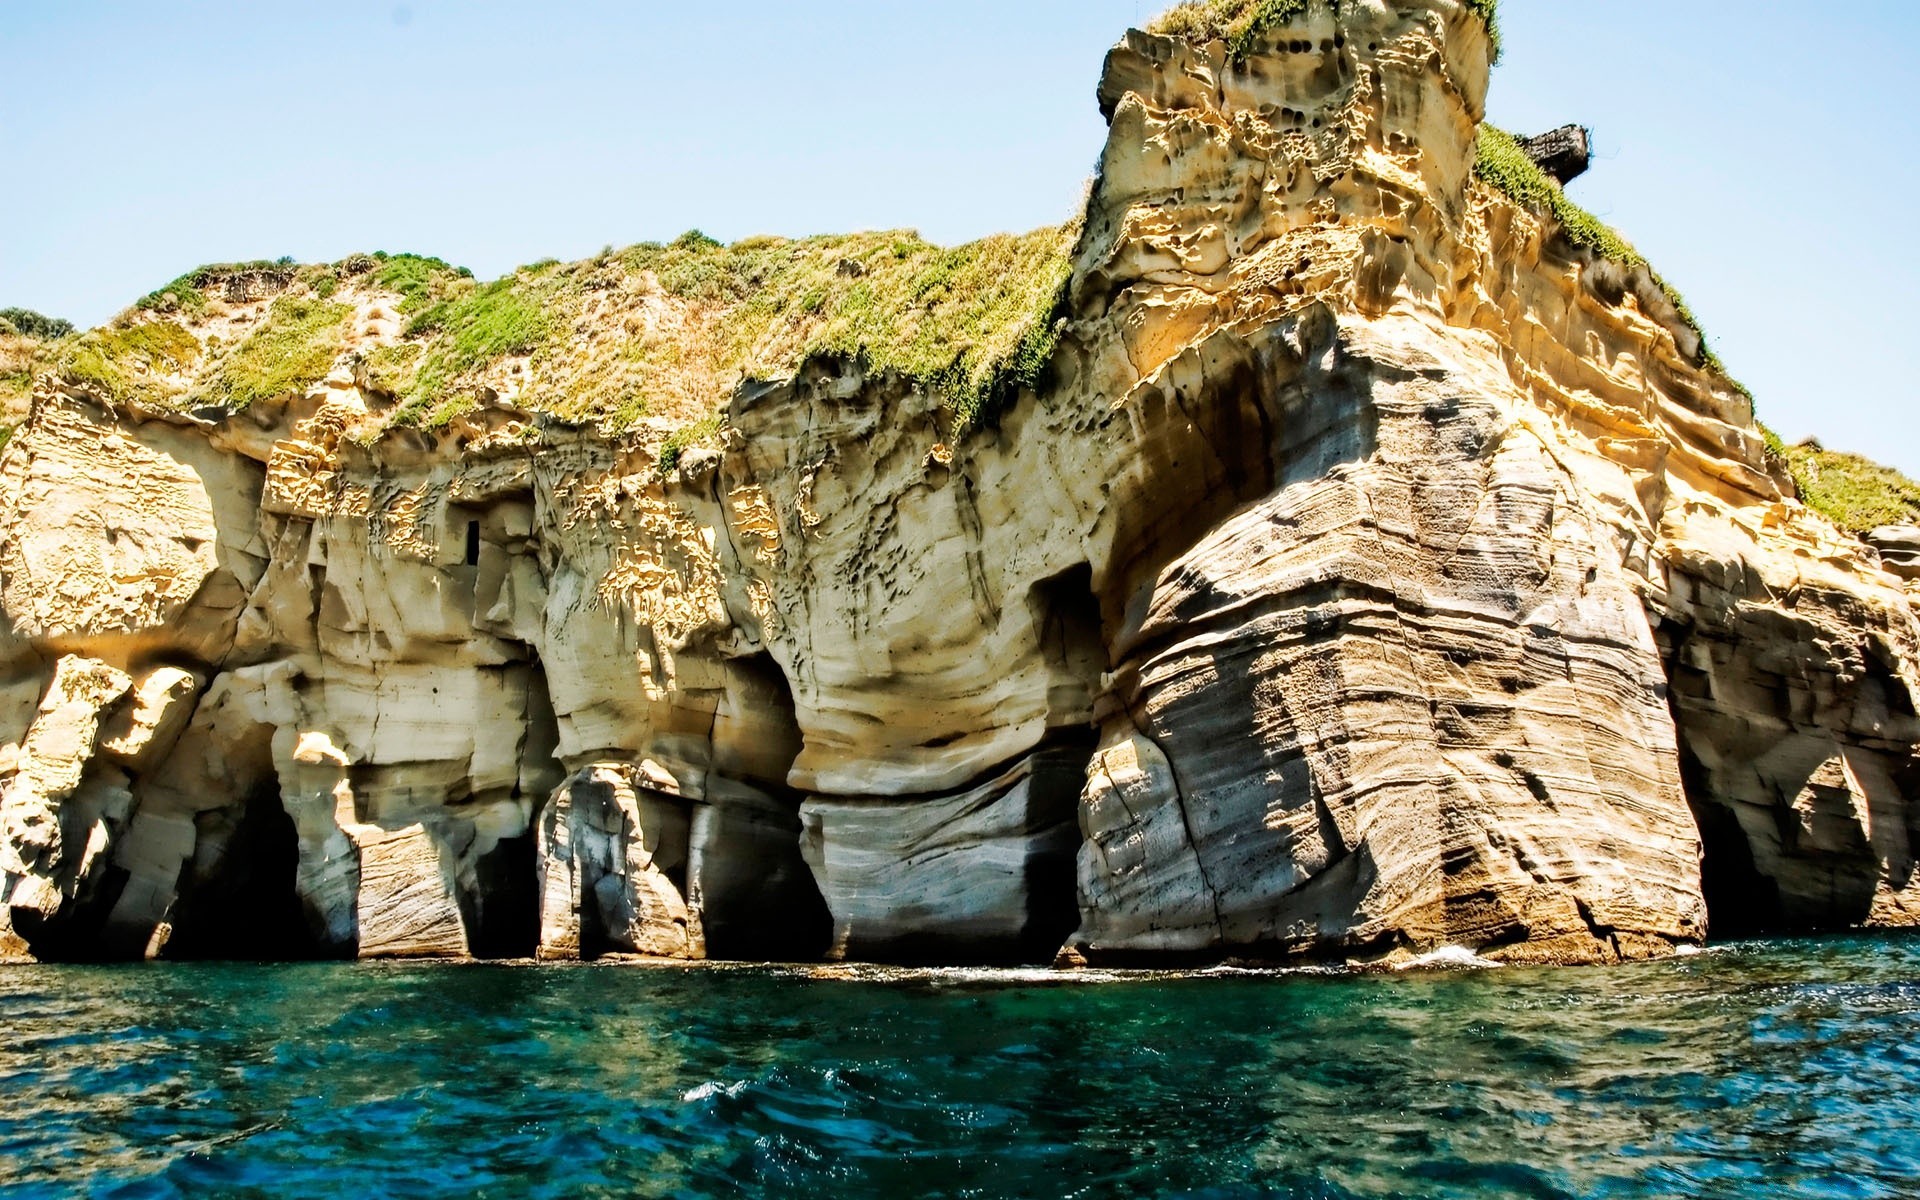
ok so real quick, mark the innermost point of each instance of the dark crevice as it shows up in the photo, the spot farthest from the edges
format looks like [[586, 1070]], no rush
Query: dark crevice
[[1053, 895], [502, 913], [759, 901], [1071, 628], [1741, 901], [242, 904]]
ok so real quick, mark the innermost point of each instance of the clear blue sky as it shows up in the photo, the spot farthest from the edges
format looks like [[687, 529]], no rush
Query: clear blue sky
[[1760, 152]]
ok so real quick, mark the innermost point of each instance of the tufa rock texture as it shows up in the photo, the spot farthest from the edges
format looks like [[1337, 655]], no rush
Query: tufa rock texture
[[1363, 568], [1564, 153]]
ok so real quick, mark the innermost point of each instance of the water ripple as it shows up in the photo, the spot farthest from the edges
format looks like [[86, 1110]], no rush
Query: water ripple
[[1758, 1069]]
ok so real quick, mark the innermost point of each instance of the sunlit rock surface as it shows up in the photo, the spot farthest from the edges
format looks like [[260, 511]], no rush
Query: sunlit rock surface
[[1372, 571]]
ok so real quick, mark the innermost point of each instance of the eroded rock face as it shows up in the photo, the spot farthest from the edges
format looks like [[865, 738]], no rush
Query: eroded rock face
[[1373, 571], [1899, 547]]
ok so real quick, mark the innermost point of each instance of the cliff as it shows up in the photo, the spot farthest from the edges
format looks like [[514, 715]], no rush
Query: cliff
[[1336, 544]]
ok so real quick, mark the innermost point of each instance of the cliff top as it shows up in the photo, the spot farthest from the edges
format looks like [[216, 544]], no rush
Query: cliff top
[[652, 331], [1242, 23], [665, 333], [1853, 492]]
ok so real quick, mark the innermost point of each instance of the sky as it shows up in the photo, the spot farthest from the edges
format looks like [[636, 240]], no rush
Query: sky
[[1758, 152]]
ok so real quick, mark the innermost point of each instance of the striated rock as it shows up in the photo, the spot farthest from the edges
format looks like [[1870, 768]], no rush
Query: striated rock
[[613, 860], [1358, 562], [986, 874], [1899, 547], [58, 811]]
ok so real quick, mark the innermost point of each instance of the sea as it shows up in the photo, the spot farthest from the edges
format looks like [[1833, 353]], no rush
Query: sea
[[1757, 1069]]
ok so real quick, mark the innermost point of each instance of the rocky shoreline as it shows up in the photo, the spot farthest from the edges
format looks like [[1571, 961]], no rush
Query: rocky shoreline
[[1369, 567]]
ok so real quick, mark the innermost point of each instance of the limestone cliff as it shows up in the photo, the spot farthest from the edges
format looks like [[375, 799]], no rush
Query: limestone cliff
[[1317, 550]]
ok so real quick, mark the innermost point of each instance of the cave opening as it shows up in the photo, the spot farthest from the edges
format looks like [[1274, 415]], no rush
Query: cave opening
[[473, 543], [502, 912], [1741, 900], [243, 904], [1071, 629], [759, 899]]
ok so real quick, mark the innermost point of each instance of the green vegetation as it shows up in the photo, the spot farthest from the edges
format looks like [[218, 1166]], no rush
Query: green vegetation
[[124, 363], [28, 323], [1242, 24], [390, 369], [973, 323], [465, 333], [670, 330], [486, 323], [421, 280], [1503, 165], [293, 349], [701, 433], [183, 295], [188, 294], [1854, 493]]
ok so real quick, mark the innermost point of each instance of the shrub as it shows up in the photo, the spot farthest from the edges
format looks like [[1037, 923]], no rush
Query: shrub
[[293, 349], [417, 278], [1854, 493], [700, 433], [122, 364], [31, 324]]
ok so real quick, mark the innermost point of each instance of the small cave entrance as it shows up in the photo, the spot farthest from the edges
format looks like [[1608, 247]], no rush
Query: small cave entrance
[[1742, 902], [1071, 629], [501, 908], [759, 899], [241, 903], [1059, 776], [502, 912]]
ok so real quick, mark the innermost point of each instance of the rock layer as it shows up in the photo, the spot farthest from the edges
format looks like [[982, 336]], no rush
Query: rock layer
[[1372, 569]]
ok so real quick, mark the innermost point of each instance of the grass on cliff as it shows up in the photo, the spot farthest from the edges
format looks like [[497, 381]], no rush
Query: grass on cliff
[[187, 295], [293, 349], [1854, 493], [1502, 164], [22, 355], [130, 362], [421, 280], [669, 331], [1243, 24]]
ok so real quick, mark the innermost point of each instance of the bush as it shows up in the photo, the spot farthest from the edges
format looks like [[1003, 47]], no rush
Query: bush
[[1854, 493], [293, 349], [700, 433], [418, 278], [31, 324], [121, 364]]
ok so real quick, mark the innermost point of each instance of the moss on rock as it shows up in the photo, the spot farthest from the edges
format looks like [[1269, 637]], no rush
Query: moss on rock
[[1243, 23], [1502, 164], [293, 349], [1853, 492], [133, 362]]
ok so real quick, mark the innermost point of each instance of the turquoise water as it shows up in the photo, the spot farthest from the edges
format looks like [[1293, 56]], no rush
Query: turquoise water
[[1763, 1069]]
